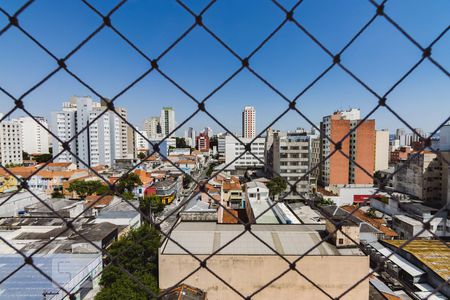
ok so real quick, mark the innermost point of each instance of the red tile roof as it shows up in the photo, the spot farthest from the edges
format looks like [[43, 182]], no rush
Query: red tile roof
[[379, 224]]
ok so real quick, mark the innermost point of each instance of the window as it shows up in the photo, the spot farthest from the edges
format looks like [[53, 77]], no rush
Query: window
[[341, 241]]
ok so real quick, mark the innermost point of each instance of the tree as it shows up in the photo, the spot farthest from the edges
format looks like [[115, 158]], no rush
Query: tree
[[103, 190], [12, 165], [186, 181], [25, 155], [128, 183], [276, 186], [137, 253], [325, 202], [86, 188], [127, 287], [151, 204], [181, 142], [127, 195], [211, 168], [371, 213], [141, 155], [43, 158], [57, 194]]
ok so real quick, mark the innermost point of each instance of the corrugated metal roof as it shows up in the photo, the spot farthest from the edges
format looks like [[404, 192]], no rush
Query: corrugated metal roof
[[207, 237], [398, 260], [27, 283], [432, 253]]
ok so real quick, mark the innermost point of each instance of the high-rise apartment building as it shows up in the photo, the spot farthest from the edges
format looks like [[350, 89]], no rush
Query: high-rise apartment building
[[381, 150], [202, 142], [444, 138], [167, 120], [399, 132], [445, 166], [407, 138], [315, 157], [359, 146], [105, 140], [63, 124], [35, 137], [208, 131], [189, 136], [10, 142], [291, 160], [420, 133], [119, 134], [248, 122], [268, 151], [234, 153], [421, 176], [221, 145], [131, 143], [152, 127], [141, 143]]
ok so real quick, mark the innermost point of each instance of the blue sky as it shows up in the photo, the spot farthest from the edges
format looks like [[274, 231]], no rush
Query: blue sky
[[289, 61]]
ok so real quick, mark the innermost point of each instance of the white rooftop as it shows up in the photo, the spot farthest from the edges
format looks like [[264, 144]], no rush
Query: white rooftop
[[306, 214], [262, 212], [207, 237], [255, 184], [409, 220]]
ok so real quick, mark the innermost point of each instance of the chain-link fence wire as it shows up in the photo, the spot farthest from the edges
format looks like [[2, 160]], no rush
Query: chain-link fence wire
[[292, 105]]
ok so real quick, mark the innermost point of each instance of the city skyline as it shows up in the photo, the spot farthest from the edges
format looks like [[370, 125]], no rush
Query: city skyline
[[205, 149], [181, 131], [108, 72]]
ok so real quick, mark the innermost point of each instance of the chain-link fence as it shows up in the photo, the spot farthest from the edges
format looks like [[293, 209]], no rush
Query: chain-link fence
[[63, 64]]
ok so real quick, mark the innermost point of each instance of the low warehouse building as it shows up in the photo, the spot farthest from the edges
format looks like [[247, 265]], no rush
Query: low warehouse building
[[246, 264]]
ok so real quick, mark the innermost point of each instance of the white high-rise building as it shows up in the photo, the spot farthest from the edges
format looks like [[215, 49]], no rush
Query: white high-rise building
[[405, 139], [141, 143], [131, 143], [34, 136], [381, 150], [152, 127], [63, 125], [420, 134], [444, 136], [248, 122], [105, 140], [10, 142], [98, 139], [292, 159], [221, 145], [233, 149], [208, 131], [167, 120], [189, 136], [119, 134]]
